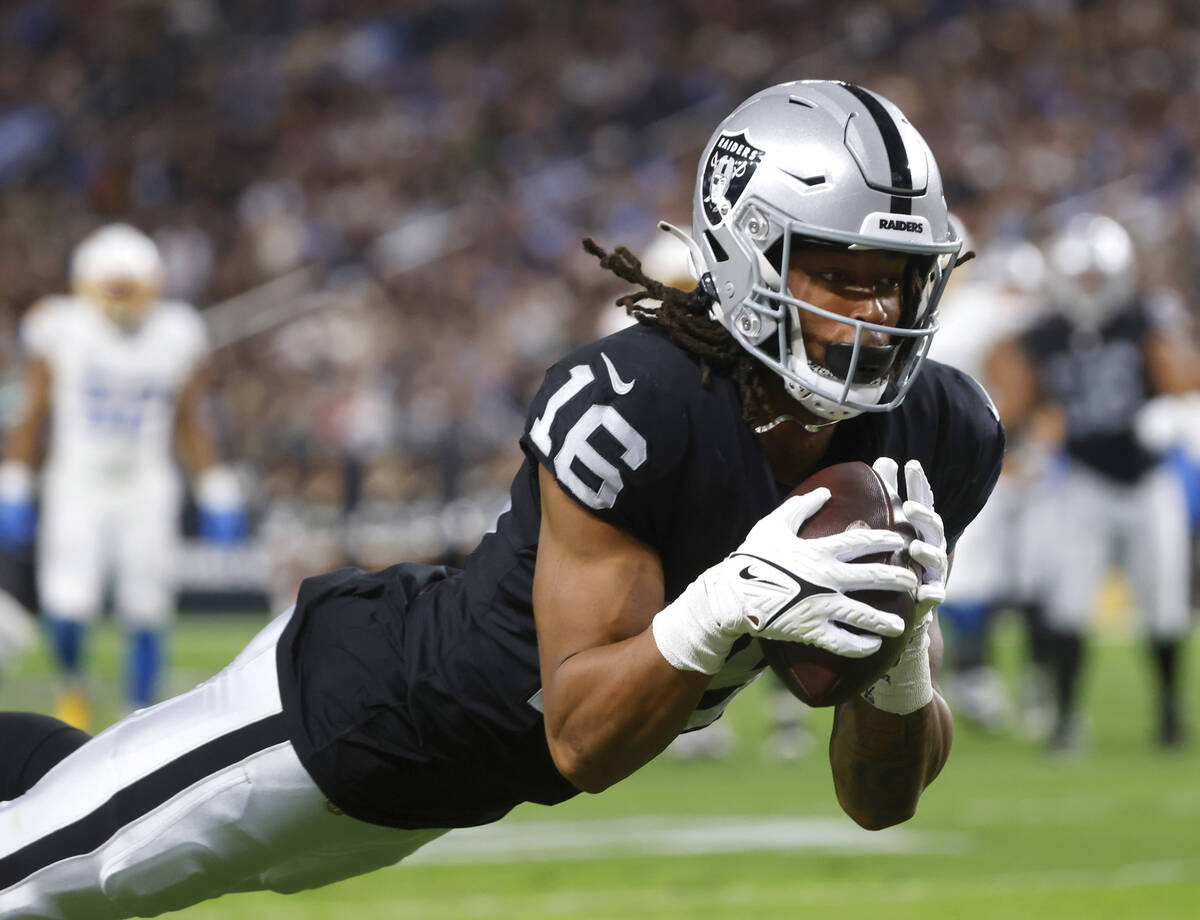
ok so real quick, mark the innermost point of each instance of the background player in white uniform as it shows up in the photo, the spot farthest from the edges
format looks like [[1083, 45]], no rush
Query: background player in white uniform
[[118, 376], [1098, 359], [987, 301]]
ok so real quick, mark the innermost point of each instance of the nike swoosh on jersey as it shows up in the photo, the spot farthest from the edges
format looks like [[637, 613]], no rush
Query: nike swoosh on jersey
[[621, 386]]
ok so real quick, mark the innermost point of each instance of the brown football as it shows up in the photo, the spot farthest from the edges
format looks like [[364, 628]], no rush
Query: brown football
[[859, 498]]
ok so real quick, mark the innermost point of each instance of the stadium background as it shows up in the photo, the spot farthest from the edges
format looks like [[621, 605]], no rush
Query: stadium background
[[379, 206]]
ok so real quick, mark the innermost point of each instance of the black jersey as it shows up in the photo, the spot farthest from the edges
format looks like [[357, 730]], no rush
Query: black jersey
[[1100, 380], [413, 694]]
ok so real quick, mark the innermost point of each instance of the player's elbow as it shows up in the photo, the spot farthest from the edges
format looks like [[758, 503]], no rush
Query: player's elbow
[[580, 766]]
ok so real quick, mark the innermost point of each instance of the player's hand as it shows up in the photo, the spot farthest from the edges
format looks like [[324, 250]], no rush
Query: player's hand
[[222, 526], [17, 514], [777, 585], [908, 685], [795, 589], [222, 512], [17, 523], [929, 549]]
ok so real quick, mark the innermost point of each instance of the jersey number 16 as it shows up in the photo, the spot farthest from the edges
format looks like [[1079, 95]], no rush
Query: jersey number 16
[[576, 446]]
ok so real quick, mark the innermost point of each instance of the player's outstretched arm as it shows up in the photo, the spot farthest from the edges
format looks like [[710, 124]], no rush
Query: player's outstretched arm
[[194, 439], [21, 457], [882, 761], [218, 494], [1173, 363], [23, 439], [891, 743], [621, 676], [1013, 384], [611, 701]]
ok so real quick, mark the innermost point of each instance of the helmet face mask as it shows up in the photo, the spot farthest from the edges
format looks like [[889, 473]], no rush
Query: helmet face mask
[[1092, 270], [119, 269], [124, 300], [829, 164]]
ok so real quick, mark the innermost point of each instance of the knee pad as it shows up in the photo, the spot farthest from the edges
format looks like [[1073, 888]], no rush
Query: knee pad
[[33, 743]]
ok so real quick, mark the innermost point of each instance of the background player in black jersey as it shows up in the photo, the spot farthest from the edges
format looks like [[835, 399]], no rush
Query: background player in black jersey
[[615, 603], [1098, 356]]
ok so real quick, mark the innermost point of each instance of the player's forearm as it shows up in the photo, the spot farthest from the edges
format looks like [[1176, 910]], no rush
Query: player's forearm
[[23, 439], [20, 444], [195, 439], [882, 761], [612, 709], [195, 446]]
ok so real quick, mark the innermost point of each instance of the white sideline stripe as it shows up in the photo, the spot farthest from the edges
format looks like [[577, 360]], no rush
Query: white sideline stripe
[[525, 841], [1059, 810], [638, 901]]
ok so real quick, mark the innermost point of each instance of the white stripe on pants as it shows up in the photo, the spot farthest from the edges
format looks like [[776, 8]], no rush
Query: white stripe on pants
[[260, 823]]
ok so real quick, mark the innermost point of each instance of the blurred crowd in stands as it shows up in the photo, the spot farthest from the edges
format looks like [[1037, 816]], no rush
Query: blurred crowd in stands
[[381, 202]]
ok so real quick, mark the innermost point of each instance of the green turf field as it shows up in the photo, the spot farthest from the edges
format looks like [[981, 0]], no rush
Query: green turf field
[[1006, 832]]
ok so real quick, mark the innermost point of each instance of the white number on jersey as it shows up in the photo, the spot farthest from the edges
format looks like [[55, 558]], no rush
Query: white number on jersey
[[115, 408], [576, 446]]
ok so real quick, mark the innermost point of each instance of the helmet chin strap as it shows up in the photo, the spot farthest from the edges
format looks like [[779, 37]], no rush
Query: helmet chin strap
[[820, 406], [810, 427], [775, 423], [816, 404]]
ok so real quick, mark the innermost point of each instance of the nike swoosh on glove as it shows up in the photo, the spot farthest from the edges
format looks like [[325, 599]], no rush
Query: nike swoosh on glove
[[777, 585]]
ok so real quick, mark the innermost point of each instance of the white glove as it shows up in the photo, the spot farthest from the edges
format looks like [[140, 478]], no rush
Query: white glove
[[16, 482], [779, 586], [218, 489], [909, 684]]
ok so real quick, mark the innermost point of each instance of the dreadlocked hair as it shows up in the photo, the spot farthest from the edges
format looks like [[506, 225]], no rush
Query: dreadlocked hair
[[684, 317]]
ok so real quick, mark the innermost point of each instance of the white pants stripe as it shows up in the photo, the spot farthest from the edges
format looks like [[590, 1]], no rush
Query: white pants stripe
[[248, 818]]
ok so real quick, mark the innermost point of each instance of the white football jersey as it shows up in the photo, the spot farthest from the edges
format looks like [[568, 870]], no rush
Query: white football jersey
[[113, 392], [974, 316]]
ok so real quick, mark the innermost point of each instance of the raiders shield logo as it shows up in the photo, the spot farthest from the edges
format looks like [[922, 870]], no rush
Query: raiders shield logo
[[729, 167]]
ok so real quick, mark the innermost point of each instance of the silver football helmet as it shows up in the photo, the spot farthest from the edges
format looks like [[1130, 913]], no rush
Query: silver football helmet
[[830, 163], [1092, 269]]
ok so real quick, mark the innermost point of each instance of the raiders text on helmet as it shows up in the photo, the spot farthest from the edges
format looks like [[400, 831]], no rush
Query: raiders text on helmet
[[830, 163]]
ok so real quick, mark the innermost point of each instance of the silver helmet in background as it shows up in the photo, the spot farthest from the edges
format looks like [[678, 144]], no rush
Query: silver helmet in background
[[828, 163], [1091, 269]]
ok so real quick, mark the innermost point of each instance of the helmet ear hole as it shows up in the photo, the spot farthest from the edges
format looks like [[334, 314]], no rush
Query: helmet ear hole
[[718, 250], [917, 277], [774, 255]]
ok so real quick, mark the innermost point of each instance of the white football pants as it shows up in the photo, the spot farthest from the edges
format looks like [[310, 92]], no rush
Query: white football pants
[[91, 529], [196, 797], [1141, 527]]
